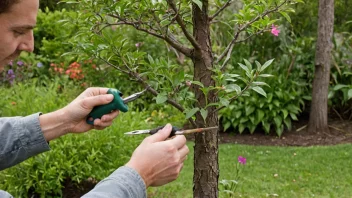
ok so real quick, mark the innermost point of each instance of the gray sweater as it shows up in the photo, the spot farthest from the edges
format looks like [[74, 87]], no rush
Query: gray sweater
[[22, 138]]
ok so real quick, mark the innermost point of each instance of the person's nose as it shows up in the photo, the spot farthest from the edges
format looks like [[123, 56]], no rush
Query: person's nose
[[28, 42]]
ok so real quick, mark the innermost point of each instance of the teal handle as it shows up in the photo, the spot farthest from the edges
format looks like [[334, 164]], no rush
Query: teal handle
[[116, 104]]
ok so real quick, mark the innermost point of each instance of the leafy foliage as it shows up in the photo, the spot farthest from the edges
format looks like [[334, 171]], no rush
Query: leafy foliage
[[283, 103]]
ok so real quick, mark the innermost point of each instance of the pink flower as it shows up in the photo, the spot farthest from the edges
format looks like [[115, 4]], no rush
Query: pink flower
[[138, 45], [274, 30], [242, 160]]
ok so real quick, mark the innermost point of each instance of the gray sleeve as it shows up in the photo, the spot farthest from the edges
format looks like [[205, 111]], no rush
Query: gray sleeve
[[20, 139], [4, 194], [125, 182]]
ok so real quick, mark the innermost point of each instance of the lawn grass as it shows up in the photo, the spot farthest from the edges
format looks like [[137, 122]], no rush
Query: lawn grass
[[320, 171]]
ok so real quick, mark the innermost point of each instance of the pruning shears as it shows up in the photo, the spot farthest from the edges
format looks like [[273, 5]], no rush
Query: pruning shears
[[118, 103], [174, 131]]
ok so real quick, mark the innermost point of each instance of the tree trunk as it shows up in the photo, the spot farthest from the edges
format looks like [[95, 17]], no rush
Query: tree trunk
[[206, 167], [318, 120]]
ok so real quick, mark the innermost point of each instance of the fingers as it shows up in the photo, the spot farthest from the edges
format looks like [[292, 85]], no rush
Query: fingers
[[91, 102], [183, 152], [111, 116], [95, 91], [162, 134], [178, 141]]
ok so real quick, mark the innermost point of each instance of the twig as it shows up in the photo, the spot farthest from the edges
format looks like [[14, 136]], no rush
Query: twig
[[291, 65], [337, 114], [234, 98], [338, 129], [227, 50], [181, 23], [137, 25], [233, 44], [221, 9], [303, 127], [155, 93]]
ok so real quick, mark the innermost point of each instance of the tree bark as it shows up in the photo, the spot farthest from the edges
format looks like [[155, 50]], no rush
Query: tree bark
[[318, 120], [206, 167]]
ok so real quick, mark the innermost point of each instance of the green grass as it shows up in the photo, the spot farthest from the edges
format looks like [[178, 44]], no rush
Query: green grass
[[302, 172]]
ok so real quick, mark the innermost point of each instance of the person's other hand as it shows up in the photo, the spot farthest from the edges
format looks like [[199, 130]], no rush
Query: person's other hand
[[158, 159], [77, 111]]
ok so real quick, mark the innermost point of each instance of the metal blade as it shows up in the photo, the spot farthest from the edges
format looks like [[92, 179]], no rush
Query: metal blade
[[137, 132], [133, 97]]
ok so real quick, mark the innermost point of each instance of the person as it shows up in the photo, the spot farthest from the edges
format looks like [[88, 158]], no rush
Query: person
[[158, 160]]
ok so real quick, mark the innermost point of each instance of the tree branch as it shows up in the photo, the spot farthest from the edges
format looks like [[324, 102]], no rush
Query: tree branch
[[155, 93], [147, 86], [234, 98], [171, 41], [221, 9], [180, 22], [232, 44], [229, 48]]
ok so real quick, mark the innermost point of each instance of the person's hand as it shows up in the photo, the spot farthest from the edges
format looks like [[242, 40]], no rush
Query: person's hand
[[76, 112], [159, 160]]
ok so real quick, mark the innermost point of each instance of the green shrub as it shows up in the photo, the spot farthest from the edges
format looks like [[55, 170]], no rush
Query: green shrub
[[284, 102]]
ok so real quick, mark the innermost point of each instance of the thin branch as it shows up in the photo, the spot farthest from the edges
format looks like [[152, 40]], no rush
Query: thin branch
[[221, 9], [112, 65], [147, 86], [155, 93], [175, 44], [181, 23], [230, 46], [235, 97]]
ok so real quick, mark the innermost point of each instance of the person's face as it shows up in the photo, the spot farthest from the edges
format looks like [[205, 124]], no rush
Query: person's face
[[16, 30]]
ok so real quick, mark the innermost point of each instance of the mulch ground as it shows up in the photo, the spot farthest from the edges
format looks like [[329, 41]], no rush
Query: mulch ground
[[340, 132]]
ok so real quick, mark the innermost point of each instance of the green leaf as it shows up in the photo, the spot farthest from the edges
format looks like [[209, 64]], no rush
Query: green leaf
[[349, 94], [293, 116], [197, 83], [151, 60], [204, 113], [278, 121], [339, 86], [288, 123], [233, 87], [241, 128], [227, 125], [279, 130], [285, 112], [244, 67], [266, 64], [286, 16], [161, 98], [259, 66], [266, 126], [191, 112], [260, 91], [199, 3], [260, 115], [260, 84], [249, 110], [252, 128], [248, 64], [164, 22], [265, 75], [224, 102]]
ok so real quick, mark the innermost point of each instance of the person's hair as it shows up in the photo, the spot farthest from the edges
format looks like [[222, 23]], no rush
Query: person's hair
[[5, 5]]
